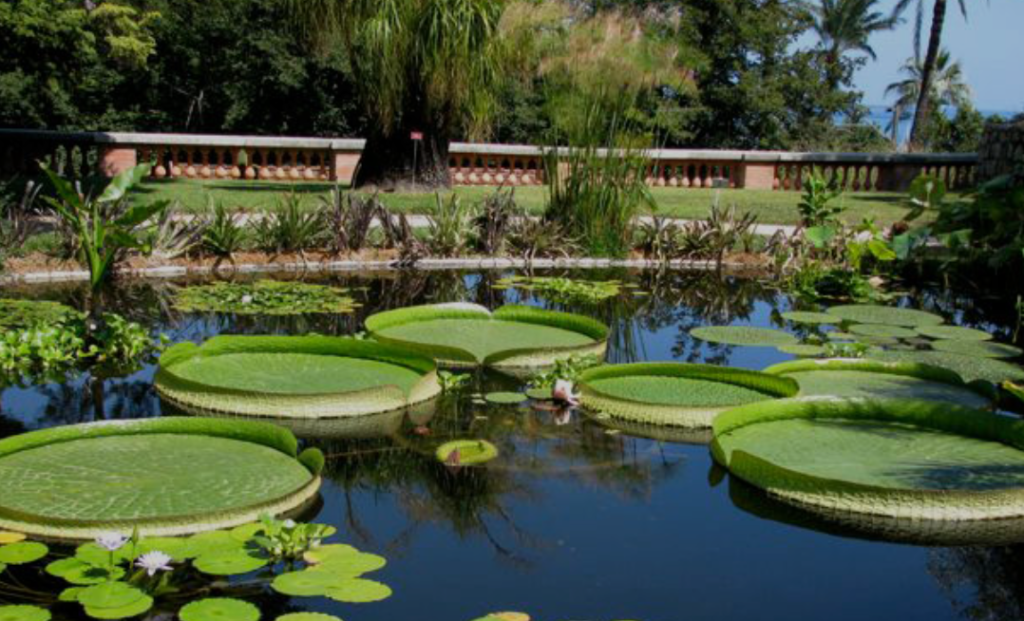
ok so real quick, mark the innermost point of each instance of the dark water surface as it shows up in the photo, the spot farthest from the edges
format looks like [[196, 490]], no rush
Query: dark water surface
[[574, 522]]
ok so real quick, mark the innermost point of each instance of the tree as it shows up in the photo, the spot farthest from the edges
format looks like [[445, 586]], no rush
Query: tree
[[924, 102], [845, 26], [947, 89], [427, 66]]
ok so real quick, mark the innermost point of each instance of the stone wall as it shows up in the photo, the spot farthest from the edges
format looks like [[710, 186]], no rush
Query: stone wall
[[1002, 150]]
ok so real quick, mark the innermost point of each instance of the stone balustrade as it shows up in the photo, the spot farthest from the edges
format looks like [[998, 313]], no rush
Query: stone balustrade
[[227, 158]]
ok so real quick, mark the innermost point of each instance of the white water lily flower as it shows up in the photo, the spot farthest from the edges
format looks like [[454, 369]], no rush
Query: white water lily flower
[[563, 392], [153, 562], [247, 299], [111, 542], [289, 524]]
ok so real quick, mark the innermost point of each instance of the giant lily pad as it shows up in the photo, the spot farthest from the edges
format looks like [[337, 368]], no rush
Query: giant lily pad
[[880, 330], [466, 452], [887, 315], [879, 380], [301, 377], [970, 368], [219, 609], [810, 318], [981, 349], [680, 395], [468, 335], [919, 460], [743, 335], [307, 616], [953, 333], [164, 476]]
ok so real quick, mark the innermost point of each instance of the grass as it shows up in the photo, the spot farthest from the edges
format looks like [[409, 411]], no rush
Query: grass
[[771, 207]]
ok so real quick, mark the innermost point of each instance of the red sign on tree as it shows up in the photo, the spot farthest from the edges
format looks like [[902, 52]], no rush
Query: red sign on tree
[[416, 136]]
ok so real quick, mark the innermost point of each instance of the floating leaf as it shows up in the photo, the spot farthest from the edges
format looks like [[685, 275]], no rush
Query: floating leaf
[[136, 608], [981, 349], [351, 565], [229, 563], [22, 552], [889, 315], [802, 349], [24, 613], [245, 532], [466, 452], [110, 595], [264, 297], [505, 398], [360, 591], [968, 367], [219, 609], [215, 542], [178, 548], [954, 333], [744, 336], [882, 331], [840, 336], [70, 594], [100, 557], [7, 537], [540, 394], [307, 616], [323, 553], [306, 583], [810, 318], [77, 571]]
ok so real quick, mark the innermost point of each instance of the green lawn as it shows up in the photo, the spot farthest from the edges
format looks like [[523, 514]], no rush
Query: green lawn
[[771, 207]]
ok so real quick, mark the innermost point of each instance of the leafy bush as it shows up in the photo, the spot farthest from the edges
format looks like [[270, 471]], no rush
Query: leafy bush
[[531, 238], [223, 236], [658, 239], [102, 229], [349, 218], [815, 204], [496, 216], [176, 234], [15, 225], [450, 226], [290, 228]]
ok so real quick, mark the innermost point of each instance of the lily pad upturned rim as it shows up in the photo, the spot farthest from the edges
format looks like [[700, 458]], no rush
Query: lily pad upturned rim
[[196, 397], [887, 315], [743, 336], [268, 436], [668, 414], [487, 451], [456, 357], [835, 496], [970, 368], [979, 349]]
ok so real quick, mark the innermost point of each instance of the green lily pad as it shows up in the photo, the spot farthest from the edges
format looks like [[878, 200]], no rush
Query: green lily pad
[[110, 595], [505, 398], [219, 609], [807, 317], [969, 368], [306, 583], [840, 336], [954, 333], [540, 394], [22, 552], [744, 336], [215, 542], [470, 452], [981, 349], [360, 591], [880, 330], [351, 565], [70, 594], [329, 551], [134, 609], [245, 532], [888, 315], [229, 563], [178, 548], [307, 616], [24, 613], [100, 557], [802, 349], [78, 572]]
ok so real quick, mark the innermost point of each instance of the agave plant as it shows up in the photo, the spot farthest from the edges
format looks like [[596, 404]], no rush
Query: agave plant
[[175, 234], [659, 239], [450, 226], [224, 236], [289, 229]]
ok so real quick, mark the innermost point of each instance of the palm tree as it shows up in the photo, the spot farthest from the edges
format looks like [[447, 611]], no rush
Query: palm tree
[[845, 26], [427, 68], [947, 87], [923, 106]]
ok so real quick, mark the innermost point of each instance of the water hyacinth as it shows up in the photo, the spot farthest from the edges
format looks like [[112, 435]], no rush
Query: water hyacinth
[[153, 562]]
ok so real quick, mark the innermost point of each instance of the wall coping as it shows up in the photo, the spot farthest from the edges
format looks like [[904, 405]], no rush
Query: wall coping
[[462, 148]]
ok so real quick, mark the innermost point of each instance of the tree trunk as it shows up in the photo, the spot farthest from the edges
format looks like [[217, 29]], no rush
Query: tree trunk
[[924, 97], [396, 161]]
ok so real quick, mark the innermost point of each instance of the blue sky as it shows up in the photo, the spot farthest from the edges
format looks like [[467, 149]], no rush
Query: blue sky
[[988, 45]]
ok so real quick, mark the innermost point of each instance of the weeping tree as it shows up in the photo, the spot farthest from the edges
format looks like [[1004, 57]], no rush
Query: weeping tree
[[424, 69]]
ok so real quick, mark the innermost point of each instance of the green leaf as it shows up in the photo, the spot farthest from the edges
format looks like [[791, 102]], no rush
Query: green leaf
[[307, 583], [307, 616], [138, 214], [65, 190], [219, 609], [134, 609], [70, 594], [245, 532], [505, 398], [100, 557], [229, 563], [881, 250], [122, 183], [24, 613], [820, 236], [22, 552], [178, 548], [110, 595], [359, 591]]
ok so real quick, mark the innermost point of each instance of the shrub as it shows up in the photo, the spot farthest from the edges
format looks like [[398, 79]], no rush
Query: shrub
[[495, 219], [815, 205], [224, 236], [349, 218], [450, 226], [289, 229]]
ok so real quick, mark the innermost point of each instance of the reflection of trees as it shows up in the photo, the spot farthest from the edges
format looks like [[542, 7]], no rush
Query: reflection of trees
[[993, 577]]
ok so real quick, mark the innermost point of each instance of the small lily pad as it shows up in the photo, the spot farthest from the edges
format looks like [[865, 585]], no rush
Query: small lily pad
[[7, 537], [840, 336], [22, 552], [306, 583], [540, 394], [810, 318], [743, 336], [981, 349], [95, 555], [245, 532], [879, 330], [505, 398], [178, 548], [24, 613], [954, 333], [109, 595], [213, 542], [219, 609], [70, 594], [136, 608], [360, 591], [78, 572], [307, 616], [351, 565], [466, 452], [802, 349], [229, 563], [329, 551]]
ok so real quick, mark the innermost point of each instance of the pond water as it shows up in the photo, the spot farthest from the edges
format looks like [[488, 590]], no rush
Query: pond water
[[574, 521]]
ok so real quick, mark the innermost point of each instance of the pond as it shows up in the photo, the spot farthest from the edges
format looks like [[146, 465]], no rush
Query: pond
[[575, 520]]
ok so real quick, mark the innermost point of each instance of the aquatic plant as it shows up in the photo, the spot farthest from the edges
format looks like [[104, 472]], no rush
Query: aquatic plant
[[743, 335], [512, 337], [294, 377], [224, 236], [982, 349], [968, 367], [254, 467], [495, 219], [882, 330], [953, 333], [21, 314], [810, 318], [569, 369], [264, 297], [804, 349], [451, 382], [877, 457], [290, 228], [887, 315], [466, 452], [564, 290], [816, 205]]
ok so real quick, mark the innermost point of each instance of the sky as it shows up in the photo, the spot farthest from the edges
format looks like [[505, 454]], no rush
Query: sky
[[988, 46]]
